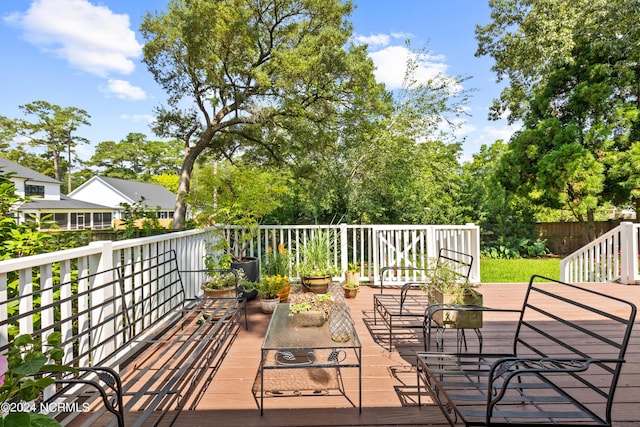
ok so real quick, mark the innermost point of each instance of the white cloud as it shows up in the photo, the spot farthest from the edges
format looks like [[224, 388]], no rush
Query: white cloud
[[124, 90], [138, 118], [391, 65], [89, 37], [374, 40]]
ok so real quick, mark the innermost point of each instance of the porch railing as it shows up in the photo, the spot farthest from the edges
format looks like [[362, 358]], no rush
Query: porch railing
[[611, 257], [370, 246]]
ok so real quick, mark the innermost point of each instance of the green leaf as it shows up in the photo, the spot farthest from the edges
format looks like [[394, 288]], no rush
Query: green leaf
[[41, 420], [23, 340], [56, 354], [31, 367], [54, 339], [58, 368], [29, 390], [16, 419], [44, 382]]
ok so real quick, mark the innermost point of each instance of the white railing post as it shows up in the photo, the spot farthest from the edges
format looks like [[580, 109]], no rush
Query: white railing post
[[474, 246], [102, 262], [628, 251], [432, 243], [344, 248]]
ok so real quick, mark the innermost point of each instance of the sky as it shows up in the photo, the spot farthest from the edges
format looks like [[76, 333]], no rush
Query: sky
[[88, 54]]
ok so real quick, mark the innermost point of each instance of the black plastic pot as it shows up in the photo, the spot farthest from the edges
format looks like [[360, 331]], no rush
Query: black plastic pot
[[249, 266]]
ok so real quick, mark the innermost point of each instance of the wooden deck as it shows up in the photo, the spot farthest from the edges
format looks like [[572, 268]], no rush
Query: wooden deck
[[389, 391]]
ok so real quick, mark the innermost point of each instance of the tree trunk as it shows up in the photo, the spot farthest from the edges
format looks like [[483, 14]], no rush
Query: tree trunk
[[180, 211], [56, 165]]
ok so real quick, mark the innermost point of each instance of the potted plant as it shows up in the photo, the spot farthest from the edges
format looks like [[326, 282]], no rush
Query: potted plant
[[310, 309], [316, 268], [232, 244], [268, 289], [447, 287], [242, 195], [278, 262], [220, 284], [352, 274], [350, 289], [351, 284]]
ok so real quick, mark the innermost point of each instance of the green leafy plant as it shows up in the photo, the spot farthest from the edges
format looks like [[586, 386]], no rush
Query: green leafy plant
[[219, 280], [444, 278], [26, 371], [353, 268], [350, 285], [317, 256]]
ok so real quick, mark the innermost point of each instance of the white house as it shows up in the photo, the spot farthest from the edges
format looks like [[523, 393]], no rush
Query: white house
[[114, 191], [48, 204]]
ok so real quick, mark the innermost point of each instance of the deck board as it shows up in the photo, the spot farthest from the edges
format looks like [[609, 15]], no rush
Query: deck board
[[389, 391]]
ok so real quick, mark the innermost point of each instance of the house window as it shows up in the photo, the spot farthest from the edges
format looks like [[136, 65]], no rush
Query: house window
[[101, 220], [34, 190], [61, 220], [50, 220], [165, 214]]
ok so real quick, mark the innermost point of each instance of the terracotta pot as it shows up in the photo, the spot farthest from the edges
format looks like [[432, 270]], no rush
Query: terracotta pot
[[268, 305], [350, 292], [284, 293], [317, 285]]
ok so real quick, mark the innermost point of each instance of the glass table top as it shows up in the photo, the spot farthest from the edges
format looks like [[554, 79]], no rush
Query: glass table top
[[283, 333]]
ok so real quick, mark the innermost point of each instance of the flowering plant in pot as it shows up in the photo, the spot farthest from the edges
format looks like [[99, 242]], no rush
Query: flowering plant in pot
[[278, 263], [268, 289]]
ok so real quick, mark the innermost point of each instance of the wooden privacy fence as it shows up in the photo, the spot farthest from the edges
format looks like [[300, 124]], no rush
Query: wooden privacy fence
[[563, 238]]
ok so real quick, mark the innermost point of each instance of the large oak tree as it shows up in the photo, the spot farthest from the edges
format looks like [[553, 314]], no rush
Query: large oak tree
[[243, 73]]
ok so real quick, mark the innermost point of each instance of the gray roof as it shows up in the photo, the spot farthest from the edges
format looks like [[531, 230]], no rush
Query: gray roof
[[23, 172], [65, 203], [155, 195]]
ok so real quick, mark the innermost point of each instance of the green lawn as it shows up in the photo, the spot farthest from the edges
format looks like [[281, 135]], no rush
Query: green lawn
[[518, 270]]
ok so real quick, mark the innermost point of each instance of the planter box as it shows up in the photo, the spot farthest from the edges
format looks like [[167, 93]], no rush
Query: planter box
[[308, 318], [455, 318], [229, 292]]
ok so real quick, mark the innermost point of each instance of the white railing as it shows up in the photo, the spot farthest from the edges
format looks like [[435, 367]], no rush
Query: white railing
[[371, 246], [611, 257]]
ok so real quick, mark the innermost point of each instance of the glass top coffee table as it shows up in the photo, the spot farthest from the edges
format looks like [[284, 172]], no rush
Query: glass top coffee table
[[304, 361]]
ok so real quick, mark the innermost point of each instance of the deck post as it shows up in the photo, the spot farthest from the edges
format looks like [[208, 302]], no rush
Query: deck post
[[102, 262], [628, 251]]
